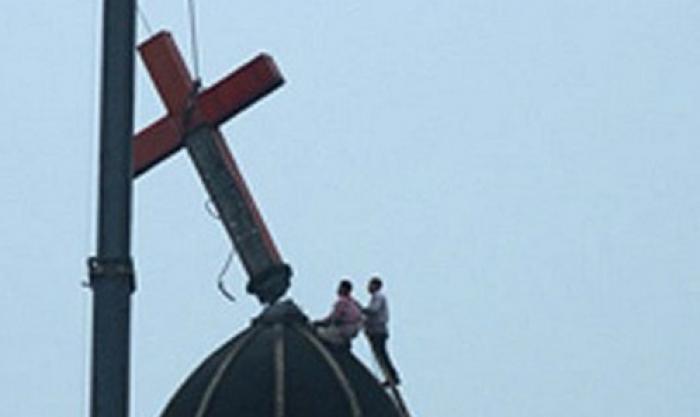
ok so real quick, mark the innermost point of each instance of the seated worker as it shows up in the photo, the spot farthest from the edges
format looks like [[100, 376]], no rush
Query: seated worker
[[344, 322]]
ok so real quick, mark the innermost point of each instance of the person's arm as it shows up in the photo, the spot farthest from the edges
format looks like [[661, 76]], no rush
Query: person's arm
[[335, 315], [328, 319]]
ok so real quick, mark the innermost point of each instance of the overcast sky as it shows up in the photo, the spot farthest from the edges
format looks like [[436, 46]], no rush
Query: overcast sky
[[522, 174]]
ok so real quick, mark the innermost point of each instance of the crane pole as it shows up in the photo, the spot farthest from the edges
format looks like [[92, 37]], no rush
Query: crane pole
[[111, 269]]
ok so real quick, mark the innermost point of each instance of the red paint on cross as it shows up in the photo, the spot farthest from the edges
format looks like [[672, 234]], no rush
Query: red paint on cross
[[187, 108]]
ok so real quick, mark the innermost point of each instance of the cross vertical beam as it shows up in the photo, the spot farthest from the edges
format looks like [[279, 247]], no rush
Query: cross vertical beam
[[111, 271], [268, 274]]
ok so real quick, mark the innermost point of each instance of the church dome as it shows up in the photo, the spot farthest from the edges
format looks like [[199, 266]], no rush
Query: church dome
[[278, 367]]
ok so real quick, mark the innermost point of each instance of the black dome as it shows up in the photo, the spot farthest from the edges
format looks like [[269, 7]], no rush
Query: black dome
[[278, 367]]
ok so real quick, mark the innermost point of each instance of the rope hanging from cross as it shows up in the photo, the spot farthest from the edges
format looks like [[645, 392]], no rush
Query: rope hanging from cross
[[192, 121]]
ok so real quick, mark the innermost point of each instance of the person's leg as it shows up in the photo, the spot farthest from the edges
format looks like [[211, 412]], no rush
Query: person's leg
[[389, 364], [378, 344]]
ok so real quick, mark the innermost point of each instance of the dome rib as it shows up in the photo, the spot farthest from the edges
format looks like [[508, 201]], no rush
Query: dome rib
[[221, 369], [279, 370], [338, 372]]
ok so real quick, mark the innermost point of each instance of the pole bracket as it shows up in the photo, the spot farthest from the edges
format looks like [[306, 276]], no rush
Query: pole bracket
[[105, 268]]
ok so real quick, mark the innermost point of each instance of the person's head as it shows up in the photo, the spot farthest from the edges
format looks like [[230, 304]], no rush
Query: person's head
[[345, 287], [374, 285]]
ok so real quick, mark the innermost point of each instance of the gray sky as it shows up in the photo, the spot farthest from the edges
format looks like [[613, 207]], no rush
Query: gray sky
[[522, 174]]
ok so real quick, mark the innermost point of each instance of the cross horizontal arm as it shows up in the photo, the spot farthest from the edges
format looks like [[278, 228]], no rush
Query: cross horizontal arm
[[240, 89], [156, 142]]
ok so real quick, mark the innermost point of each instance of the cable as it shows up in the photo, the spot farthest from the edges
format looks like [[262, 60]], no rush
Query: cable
[[144, 20], [220, 279], [193, 39], [212, 211], [227, 263]]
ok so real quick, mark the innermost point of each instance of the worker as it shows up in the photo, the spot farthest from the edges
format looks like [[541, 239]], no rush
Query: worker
[[345, 320], [377, 330]]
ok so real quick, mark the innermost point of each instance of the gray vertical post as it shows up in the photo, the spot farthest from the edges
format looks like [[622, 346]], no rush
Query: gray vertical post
[[111, 271]]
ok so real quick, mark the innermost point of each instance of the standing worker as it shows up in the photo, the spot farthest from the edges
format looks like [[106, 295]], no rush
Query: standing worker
[[377, 331]]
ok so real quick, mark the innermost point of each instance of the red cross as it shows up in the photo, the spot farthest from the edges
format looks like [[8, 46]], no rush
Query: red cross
[[212, 106], [192, 121]]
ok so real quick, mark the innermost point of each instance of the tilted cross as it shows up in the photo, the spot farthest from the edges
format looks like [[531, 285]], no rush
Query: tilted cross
[[192, 122]]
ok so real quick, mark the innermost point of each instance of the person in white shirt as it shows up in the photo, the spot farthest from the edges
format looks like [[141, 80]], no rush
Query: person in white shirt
[[377, 331]]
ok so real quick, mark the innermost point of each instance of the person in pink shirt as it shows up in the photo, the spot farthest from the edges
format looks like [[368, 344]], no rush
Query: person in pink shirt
[[344, 322]]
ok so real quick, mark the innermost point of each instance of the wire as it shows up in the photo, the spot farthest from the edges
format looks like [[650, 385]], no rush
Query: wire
[[211, 209], [144, 20], [220, 279], [227, 263], [193, 38]]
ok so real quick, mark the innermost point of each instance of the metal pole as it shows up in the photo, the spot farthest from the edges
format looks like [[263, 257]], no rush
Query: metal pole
[[111, 271]]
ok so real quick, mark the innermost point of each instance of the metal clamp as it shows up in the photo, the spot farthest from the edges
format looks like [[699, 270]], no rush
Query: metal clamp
[[101, 268]]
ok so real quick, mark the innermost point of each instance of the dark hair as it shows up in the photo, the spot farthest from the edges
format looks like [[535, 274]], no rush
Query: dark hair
[[345, 286], [376, 281]]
